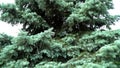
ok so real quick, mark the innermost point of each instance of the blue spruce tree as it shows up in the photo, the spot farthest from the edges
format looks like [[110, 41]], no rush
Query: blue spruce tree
[[60, 34]]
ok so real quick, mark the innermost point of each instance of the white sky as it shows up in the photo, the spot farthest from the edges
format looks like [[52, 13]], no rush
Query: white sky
[[115, 12], [14, 30], [8, 29], [7, 1]]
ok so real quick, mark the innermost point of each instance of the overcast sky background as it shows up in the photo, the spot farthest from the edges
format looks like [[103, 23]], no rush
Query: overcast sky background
[[14, 30]]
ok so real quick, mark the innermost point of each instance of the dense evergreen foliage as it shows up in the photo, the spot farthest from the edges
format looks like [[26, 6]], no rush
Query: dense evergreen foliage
[[60, 34], [5, 40]]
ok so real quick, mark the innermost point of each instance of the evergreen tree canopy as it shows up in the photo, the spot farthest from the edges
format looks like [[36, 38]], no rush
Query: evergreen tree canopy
[[60, 34], [5, 40], [62, 15]]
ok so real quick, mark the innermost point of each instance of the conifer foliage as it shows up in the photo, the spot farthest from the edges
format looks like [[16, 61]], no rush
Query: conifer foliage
[[60, 34]]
